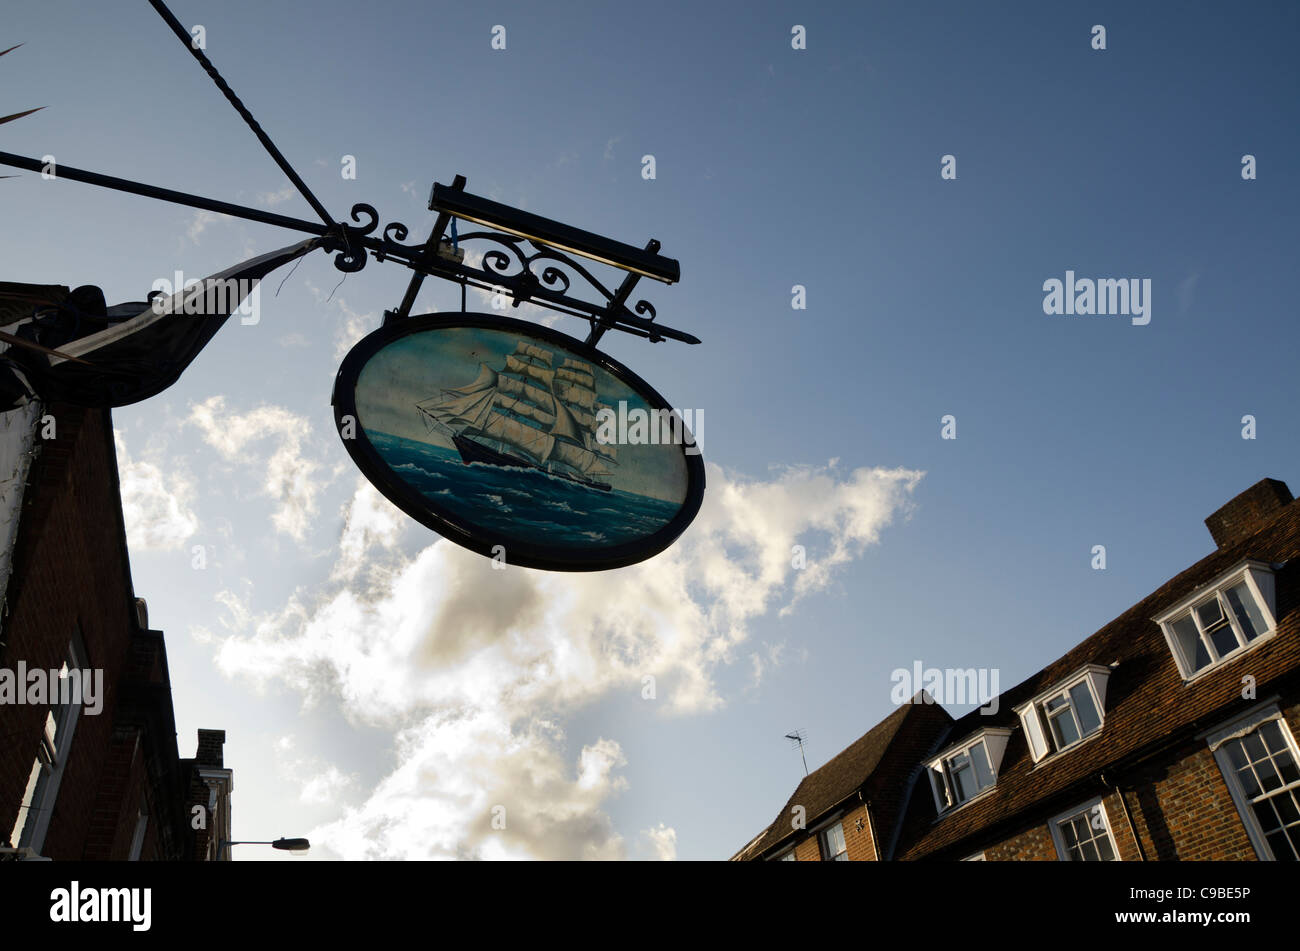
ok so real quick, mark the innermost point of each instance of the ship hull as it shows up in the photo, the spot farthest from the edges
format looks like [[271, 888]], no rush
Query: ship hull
[[471, 451]]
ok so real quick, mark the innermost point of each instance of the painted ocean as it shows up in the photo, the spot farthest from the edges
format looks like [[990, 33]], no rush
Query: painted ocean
[[528, 504]]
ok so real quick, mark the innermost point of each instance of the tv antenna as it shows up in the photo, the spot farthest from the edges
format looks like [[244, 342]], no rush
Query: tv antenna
[[797, 736]]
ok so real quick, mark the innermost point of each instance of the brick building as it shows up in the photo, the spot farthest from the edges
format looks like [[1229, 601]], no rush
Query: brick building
[[89, 763], [1168, 734]]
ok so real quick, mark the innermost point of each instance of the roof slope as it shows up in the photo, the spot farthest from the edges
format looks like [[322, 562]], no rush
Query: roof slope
[[868, 757], [1146, 699]]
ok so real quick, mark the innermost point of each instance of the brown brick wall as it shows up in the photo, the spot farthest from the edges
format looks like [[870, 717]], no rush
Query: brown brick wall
[[1246, 513], [69, 572], [858, 842], [1035, 843], [1180, 806], [860, 846], [1032, 845]]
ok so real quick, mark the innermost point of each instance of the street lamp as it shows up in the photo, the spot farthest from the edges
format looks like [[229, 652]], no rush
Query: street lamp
[[296, 846]]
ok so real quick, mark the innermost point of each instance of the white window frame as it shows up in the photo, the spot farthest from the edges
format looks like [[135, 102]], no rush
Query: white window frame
[[137, 837], [1235, 729], [977, 857], [824, 847], [31, 828], [786, 856], [994, 740], [1037, 723], [1054, 826], [1259, 580]]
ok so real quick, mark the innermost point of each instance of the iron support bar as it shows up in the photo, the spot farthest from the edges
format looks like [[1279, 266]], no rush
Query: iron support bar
[[430, 249], [599, 326], [229, 93], [166, 194]]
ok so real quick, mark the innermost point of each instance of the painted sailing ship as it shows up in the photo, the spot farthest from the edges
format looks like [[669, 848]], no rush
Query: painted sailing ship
[[528, 414]]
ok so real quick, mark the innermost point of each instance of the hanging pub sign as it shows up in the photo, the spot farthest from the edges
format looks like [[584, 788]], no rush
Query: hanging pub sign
[[518, 442]]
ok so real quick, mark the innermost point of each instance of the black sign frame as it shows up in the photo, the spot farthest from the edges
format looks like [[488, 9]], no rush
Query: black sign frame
[[448, 524]]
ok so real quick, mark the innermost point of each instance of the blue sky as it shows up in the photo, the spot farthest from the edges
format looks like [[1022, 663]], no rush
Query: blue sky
[[360, 667]]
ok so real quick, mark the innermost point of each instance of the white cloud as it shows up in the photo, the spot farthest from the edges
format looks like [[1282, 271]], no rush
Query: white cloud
[[370, 522], [156, 506], [662, 841], [478, 787], [354, 326], [289, 477], [200, 221], [326, 786], [467, 663], [276, 198], [237, 609]]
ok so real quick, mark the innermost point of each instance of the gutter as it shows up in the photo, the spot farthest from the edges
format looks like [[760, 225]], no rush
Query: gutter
[[1142, 855], [871, 825]]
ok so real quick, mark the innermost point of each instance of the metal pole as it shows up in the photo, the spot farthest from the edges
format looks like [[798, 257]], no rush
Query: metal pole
[[430, 251], [229, 93], [166, 194]]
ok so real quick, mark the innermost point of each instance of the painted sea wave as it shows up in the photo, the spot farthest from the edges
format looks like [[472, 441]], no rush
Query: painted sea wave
[[526, 504]]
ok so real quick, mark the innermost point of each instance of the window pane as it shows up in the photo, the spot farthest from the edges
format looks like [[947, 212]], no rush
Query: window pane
[[1210, 613], [1271, 734], [1268, 776], [1068, 834], [963, 779], [1056, 703], [1090, 852], [1189, 642], [1246, 776], [1103, 846], [1286, 766], [833, 842], [1266, 816], [1084, 708], [1282, 848], [1235, 754], [1246, 610], [1064, 730], [1254, 747], [979, 757], [1286, 807], [1224, 639]]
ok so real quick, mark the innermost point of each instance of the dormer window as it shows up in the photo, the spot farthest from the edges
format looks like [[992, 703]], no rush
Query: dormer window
[[1070, 712], [1221, 620], [963, 771]]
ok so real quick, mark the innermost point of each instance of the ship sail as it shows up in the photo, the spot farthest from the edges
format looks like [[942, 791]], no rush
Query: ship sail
[[530, 412], [537, 353], [487, 377], [525, 391], [519, 435], [571, 445], [573, 393], [470, 410], [530, 370], [585, 380]]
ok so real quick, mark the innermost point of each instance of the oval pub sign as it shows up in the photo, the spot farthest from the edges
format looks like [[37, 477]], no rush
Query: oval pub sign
[[518, 442]]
